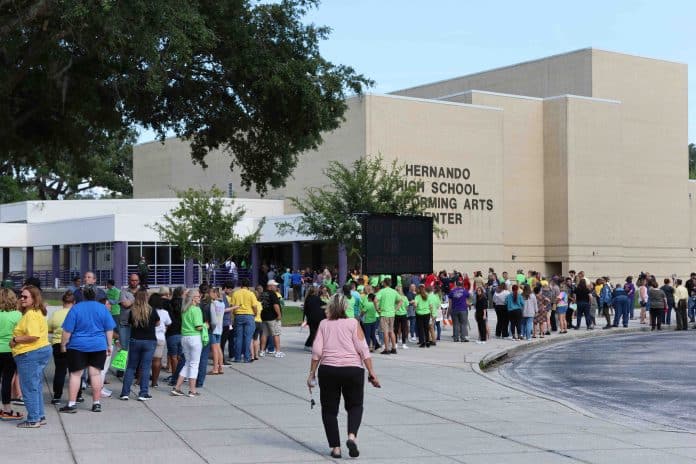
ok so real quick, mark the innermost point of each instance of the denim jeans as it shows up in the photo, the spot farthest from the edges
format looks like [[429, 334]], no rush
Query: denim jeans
[[583, 309], [243, 332], [371, 334], [412, 326], [140, 354], [203, 364], [527, 327], [30, 367], [460, 325], [124, 332]]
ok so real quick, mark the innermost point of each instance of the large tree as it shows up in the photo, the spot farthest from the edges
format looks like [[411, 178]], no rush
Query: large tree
[[202, 227], [239, 75], [367, 186]]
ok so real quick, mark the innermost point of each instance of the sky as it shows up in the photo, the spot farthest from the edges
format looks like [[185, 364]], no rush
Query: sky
[[403, 43]]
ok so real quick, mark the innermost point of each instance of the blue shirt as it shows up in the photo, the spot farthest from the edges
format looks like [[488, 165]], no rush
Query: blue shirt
[[356, 305], [296, 278], [87, 323], [100, 295]]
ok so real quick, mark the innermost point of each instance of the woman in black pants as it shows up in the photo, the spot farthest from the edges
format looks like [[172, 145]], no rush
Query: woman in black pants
[[582, 299], [481, 314], [339, 351], [60, 359], [313, 308], [501, 312]]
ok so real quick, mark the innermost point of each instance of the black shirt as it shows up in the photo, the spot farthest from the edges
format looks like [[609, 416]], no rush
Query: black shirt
[[146, 332], [314, 309], [268, 301], [173, 307], [582, 295]]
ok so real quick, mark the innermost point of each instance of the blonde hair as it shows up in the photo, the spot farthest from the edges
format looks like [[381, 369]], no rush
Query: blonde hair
[[188, 301], [337, 307], [8, 300], [140, 313]]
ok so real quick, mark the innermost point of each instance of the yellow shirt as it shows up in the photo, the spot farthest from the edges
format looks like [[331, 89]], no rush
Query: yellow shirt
[[55, 324], [33, 323], [247, 302]]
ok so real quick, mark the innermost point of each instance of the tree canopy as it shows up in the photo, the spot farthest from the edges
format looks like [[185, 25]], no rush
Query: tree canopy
[[239, 75], [367, 186], [202, 227]]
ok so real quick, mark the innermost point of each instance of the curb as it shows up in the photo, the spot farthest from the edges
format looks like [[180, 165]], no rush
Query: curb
[[495, 358]]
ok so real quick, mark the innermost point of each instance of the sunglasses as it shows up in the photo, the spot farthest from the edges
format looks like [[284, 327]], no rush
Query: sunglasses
[[24, 297]]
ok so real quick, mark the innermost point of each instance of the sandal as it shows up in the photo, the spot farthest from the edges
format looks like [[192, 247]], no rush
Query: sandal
[[213, 373], [28, 425], [11, 415]]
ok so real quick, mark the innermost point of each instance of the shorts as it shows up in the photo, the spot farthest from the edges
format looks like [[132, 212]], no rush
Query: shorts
[[561, 309], [78, 360], [215, 339], [174, 345], [386, 324], [258, 330], [159, 349], [271, 328]]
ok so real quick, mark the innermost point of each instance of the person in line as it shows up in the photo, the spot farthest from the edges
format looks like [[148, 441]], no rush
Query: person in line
[[217, 315], [370, 321], [529, 310], [191, 342], [657, 301], [86, 338], [126, 302], [541, 316], [205, 305], [582, 299], [157, 303], [173, 334], [60, 359], [411, 312], [338, 355], [247, 307], [561, 309], [681, 297], [669, 293], [9, 317], [481, 314], [621, 305], [643, 299], [605, 299], [271, 318], [423, 312], [388, 301], [143, 320], [314, 313], [401, 319], [31, 352], [514, 304], [501, 312], [226, 335]]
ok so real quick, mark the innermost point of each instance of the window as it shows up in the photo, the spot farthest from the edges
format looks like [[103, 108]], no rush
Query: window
[[230, 190]]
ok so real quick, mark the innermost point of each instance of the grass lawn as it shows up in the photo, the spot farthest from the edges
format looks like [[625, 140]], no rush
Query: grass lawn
[[292, 316]]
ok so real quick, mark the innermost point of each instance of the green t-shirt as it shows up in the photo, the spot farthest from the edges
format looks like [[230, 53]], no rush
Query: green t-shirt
[[190, 320], [331, 285], [114, 296], [435, 303], [422, 306], [368, 307], [403, 309], [350, 308], [387, 299], [8, 321]]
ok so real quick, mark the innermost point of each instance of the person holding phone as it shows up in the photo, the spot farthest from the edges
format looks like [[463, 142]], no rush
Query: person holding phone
[[338, 355]]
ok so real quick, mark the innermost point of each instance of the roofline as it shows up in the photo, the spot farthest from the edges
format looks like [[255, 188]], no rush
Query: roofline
[[525, 97], [437, 102]]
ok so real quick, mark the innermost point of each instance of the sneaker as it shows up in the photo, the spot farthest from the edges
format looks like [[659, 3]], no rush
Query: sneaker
[[193, 395], [144, 397], [385, 352], [106, 392], [393, 351], [80, 399], [261, 355], [279, 354], [43, 420], [466, 339], [478, 342], [56, 401], [68, 409], [412, 339], [96, 407], [404, 347], [154, 385], [123, 397], [176, 392]]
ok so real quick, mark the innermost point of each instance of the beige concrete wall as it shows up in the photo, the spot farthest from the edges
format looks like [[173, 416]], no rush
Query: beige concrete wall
[[556, 75], [420, 132], [158, 168]]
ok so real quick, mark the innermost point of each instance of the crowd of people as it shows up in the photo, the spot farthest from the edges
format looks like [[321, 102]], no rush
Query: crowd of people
[[180, 331]]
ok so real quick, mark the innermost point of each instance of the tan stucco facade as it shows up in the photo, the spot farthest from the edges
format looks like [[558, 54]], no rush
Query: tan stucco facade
[[575, 161]]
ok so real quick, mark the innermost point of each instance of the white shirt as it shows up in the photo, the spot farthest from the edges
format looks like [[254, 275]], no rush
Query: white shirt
[[165, 320]]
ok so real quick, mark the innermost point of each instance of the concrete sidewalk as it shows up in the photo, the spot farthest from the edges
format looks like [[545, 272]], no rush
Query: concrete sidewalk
[[436, 406]]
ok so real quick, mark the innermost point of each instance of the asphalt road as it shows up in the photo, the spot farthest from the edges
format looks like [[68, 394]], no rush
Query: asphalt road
[[632, 377]]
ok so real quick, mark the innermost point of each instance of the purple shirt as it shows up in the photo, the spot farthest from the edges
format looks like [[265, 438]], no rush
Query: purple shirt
[[458, 297]]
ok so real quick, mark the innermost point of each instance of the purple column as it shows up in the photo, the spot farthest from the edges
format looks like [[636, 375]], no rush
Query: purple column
[[55, 265], [119, 263], [254, 265], [5, 263], [84, 258], [296, 255], [188, 273], [93, 265], [30, 262], [342, 264]]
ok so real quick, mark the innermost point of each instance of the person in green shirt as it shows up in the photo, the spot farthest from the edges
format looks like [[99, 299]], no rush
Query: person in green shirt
[[401, 319], [423, 314], [435, 302], [113, 295], [388, 301], [369, 313], [191, 327], [9, 317], [331, 285]]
